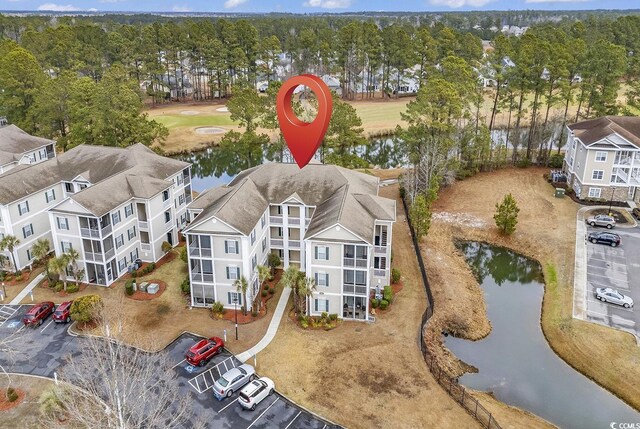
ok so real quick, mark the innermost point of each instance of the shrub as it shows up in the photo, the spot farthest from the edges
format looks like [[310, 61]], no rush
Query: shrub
[[333, 317], [272, 290], [134, 274], [387, 294], [184, 256], [128, 287], [152, 266], [254, 313], [324, 315], [395, 275], [217, 308], [85, 308], [3, 275], [304, 324], [18, 273], [264, 292], [58, 286], [302, 318], [523, 163], [73, 288], [166, 247], [556, 161], [12, 395], [185, 286], [375, 303], [384, 304]]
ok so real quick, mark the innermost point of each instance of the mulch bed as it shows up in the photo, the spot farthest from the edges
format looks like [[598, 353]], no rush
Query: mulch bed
[[571, 194], [143, 296], [164, 260], [319, 327], [45, 284], [396, 288], [617, 215], [11, 281], [243, 319], [6, 405], [86, 326]]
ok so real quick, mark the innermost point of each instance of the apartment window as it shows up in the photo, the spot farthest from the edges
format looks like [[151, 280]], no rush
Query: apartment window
[[63, 223], [322, 279], [128, 210], [165, 195], [279, 210], [115, 218], [65, 246], [167, 216], [131, 232], [27, 231], [263, 220], [50, 195], [181, 199], [119, 241], [234, 298], [83, 186], [122, 264], [254, 262], [597, 174], [134, 254], [601, 156], [321, 305], [23, 207], [179, 180], [231, 246], [594, 192], [322, 253], [233, 273], [68, 186], [29, 257], [253, 237], [264, 244]]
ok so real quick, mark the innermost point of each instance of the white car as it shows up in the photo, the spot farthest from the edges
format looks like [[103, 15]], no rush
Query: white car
[[255, 392], [614, 297], [233, 380]]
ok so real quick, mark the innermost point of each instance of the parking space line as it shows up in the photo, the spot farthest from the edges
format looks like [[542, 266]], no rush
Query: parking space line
[[606, 277], [198, 384], [324, 427], [603, 314], [178, 363], [606, 303], [210, 372], [291, 422], [262, 414], [46, 326], [228, 405]]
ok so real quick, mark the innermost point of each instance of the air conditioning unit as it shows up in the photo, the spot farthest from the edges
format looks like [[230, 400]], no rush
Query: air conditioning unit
[[3, 121]]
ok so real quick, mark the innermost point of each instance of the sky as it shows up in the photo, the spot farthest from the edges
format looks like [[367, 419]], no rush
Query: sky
[[309, 6]]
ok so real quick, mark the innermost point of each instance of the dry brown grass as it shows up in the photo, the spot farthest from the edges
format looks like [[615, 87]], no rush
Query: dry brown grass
[[167, 316], [511, 417], [546, 232], [27, 414], [367, 375]]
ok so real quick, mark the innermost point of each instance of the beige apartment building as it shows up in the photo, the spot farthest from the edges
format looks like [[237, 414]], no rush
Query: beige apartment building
[[602, 158], [327, 220], [19, 148]]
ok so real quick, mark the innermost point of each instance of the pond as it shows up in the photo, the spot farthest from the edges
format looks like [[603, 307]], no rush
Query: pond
[[515, 361], [217, 166]]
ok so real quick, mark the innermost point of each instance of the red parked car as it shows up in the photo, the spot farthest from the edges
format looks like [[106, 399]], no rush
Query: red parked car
[[202, 351], [62, 313], [36, 314]]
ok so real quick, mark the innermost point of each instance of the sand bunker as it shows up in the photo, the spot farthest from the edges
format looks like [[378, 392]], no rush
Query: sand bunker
[[210, 130], [222, 109], [189, 112]]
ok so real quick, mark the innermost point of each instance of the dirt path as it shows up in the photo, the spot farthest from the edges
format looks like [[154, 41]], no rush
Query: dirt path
[[546, 232], [367, 375]]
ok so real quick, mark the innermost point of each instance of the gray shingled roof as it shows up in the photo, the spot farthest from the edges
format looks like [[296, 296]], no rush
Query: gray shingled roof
[[94, 163], [14, 142], [595, 130], [341, 196]]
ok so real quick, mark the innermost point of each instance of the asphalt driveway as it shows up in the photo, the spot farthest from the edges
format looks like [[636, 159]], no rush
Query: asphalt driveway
[[615, 268], [43, 350]]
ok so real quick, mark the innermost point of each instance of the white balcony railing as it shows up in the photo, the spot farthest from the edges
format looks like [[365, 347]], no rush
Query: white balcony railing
[[89, 233], [294, 244], [379, 273], [199, 277], [96, 257], [146, 247], [275, 220], [109, 254], [166, 203], [355, 289], [277, 242], [380, 250], [294, 221], [358, 263], [143, 225]]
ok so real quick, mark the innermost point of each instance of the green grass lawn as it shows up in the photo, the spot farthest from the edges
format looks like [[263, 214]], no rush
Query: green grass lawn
[[381, 114], [178, 121]]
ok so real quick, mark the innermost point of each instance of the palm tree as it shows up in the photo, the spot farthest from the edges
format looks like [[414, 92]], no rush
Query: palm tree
[[306, 288], [290, 279], [40, 250], [241, 286], [59, 266], [72, 256], [264, 273], [9, 243]]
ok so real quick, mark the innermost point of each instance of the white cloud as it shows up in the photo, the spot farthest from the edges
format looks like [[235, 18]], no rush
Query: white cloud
[[328, 4], [230, 4], [555, 1], [459, 3], [58, 7], [183, 8]]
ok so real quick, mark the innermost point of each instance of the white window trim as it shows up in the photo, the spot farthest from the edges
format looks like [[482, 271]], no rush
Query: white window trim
[[593, 174], [595, 189], [601, 152]]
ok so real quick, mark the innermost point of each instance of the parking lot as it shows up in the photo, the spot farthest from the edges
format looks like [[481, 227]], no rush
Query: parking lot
[[43, 350], [614, 267]]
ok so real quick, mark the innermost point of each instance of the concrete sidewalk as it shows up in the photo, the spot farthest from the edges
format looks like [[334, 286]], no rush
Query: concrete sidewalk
[[271, 330], [24, 292]]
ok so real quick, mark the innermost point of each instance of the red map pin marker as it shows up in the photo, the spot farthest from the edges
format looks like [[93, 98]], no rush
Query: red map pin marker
[[303, 138]]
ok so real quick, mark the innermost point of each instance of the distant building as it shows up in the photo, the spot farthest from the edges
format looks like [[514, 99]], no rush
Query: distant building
[[602, 158], [20, 148]]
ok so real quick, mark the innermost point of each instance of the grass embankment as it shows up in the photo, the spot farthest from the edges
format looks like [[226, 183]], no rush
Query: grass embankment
[[545, 232]]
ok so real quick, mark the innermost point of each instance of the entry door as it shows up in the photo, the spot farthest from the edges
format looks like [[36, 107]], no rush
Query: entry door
[[631, 193], [170, 238]]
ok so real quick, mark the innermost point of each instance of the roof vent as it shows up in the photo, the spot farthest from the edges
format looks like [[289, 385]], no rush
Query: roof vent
[[3, 121]]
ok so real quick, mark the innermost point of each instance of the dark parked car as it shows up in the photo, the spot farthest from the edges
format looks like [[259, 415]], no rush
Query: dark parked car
[[636, 213], [202, 351], [609, 238], [36, 314], [63, 313]]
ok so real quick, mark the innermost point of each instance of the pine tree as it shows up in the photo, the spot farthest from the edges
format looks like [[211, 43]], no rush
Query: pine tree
[[506, 216]]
